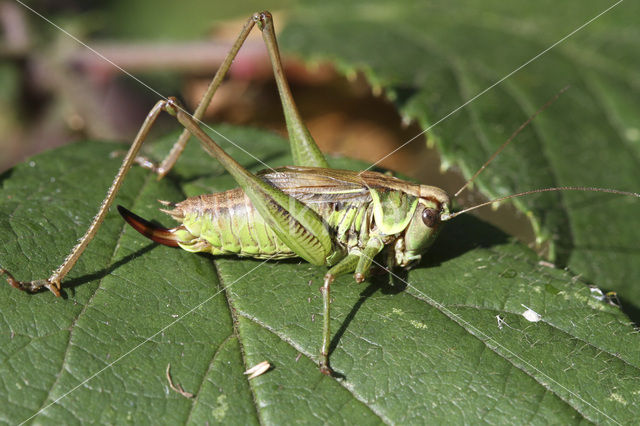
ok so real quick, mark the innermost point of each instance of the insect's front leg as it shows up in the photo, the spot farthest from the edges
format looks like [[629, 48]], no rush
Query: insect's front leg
[[373, 247]]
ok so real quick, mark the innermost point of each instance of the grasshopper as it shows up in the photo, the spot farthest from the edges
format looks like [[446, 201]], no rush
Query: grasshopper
[[337, 218]]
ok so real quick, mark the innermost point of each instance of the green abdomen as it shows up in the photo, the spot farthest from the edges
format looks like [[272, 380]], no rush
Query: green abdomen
[[227, 223]]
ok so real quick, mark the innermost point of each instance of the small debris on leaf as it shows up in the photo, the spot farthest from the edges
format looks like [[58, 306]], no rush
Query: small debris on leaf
[[501, 322], [258, 370], [177, 387]]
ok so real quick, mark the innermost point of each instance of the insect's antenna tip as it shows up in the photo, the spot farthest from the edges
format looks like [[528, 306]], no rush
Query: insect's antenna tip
[[537, 191], [508, 141]]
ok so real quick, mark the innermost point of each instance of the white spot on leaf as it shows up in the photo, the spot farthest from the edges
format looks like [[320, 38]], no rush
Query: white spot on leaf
[[618, 398], [418, 324], [531, 315], [597, 294]]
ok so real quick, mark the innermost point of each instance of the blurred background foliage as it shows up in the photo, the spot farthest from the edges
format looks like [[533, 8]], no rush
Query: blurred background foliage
[[53, 90]]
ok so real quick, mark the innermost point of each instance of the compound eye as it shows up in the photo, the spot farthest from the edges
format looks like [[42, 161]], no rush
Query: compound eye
[[430, 217]]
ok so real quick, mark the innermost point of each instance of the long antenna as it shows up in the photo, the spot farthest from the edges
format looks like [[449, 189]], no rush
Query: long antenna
[[513, 135], [535, 191]]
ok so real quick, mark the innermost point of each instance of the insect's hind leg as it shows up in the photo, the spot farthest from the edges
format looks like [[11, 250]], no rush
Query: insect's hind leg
[[304, 149], [53, 283], [170, 160], [298, 226]]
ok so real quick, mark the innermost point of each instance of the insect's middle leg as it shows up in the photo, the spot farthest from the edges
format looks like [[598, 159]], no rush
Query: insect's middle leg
[[345, 266]]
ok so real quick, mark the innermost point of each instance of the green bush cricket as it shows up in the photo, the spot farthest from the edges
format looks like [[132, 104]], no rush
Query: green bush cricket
[[337, 218]]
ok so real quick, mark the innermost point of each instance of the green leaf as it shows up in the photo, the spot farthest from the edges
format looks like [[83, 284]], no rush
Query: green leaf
[[432, 350], [433, 57]]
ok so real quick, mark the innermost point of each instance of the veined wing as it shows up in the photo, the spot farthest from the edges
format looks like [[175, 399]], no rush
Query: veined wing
[[340, 183], [318, 185]]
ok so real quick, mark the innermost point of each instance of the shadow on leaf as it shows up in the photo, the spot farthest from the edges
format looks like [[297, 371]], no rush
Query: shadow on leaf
[[464, 234], [98, 275]]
